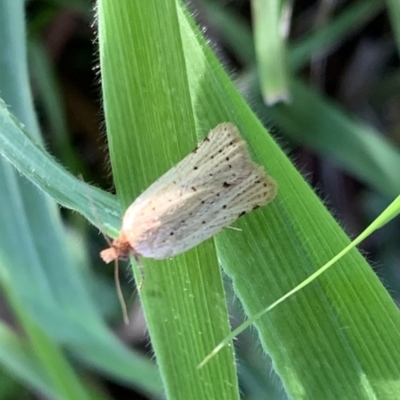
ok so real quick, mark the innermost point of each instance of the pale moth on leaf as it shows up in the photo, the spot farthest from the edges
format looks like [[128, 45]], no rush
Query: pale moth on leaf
[[205, 192]]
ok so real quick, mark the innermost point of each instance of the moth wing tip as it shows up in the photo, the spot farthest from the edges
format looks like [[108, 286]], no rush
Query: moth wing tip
[[226, 126], [270, 186], [272, 182]]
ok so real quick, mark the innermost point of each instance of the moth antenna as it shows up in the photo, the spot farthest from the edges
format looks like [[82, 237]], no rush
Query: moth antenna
[[119, 292], [141, 269]]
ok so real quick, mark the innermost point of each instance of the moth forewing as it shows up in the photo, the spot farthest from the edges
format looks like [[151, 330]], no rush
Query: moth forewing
[[208, 190]]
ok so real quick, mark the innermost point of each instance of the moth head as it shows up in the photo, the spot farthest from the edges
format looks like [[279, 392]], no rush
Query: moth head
[[119, 249]]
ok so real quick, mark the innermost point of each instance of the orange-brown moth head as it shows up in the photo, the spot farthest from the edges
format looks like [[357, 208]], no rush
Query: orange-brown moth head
[[119, 249]]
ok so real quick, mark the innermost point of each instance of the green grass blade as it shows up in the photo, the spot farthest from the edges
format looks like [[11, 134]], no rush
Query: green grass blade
[[392, 211], [150, 127], [393, 7], [339, 335], [352, 18], [270, 43], [33, 161], [233, 29], [313, 120], [15, 357], [43, 75], [358, 148], [320, 124], [97, 347], [23, 206]]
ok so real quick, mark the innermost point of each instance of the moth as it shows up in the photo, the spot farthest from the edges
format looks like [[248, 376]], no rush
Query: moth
[[208, 190]]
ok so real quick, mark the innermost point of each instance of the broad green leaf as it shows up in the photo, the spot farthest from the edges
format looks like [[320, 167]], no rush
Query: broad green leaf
[[150, 127]]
